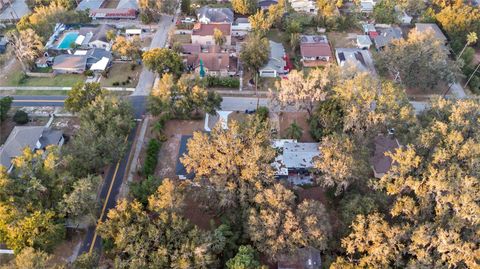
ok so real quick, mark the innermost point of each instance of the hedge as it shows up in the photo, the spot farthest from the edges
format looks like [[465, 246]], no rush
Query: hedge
[[151, 159], [223, 82]]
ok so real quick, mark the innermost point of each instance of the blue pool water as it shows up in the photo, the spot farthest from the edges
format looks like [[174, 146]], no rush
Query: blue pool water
[[68, 39]]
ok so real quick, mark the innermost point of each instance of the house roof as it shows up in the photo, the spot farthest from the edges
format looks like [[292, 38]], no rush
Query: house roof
[[180, 169], [89, 4], [191, 48], [367, 27], [26, 136], [100, 33], [276, 60], [364, 40], [314, 46], [113, 13], [70, 62], [212, 61], [266, 3], [361, 59], [299, 155], [424, 27], [381, 163], [386, 36], [215, 15], [202, 29], [128, 4]]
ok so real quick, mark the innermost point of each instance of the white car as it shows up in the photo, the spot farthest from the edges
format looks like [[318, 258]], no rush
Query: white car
[[188, 20]]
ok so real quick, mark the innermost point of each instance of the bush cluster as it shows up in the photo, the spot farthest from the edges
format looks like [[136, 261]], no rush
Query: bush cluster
[[223, 82], [151, 159]]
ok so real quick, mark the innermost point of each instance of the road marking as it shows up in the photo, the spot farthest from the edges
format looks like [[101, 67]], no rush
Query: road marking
[[106, 201]]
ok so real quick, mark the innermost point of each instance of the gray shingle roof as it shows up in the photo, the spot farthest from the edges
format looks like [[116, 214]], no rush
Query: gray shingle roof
[[215, 15]]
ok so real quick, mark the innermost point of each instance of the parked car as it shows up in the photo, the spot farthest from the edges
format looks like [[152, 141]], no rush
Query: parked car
[[188, 20]]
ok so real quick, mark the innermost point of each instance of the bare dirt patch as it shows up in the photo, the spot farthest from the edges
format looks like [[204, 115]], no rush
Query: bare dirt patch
[[199, 216], [174, 130], [287, 118], [67, 250], [342, 39]]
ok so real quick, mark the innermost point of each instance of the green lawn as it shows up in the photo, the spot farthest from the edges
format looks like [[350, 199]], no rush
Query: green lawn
[[120, 73], [33, 92], [15, 77]]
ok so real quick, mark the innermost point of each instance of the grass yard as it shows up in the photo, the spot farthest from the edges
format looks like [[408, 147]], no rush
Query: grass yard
[[120, 73], [287, 118], [183, 39], [342, 40], [14, 77]]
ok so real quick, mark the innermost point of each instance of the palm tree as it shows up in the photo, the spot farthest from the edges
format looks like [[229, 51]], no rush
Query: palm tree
[[27, 47], [471, 39], [294, 131]]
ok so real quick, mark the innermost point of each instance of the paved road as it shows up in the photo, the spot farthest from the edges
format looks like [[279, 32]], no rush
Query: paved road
[[108, 196], [146, 79]]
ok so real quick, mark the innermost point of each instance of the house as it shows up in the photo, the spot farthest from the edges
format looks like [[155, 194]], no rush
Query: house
[[93, 59], [132, 33], [433, 27], [303, 258], [34, 137], [113, 13], [276, 65], [386, 36], [364, 42], [214, 62], [180, 169], [294, 160], [214, 15], [84, 37], [402, 16], [203, 33], [95, 37], [265, 4], [304, 6], [357, 58], [241, 27], [315, 50], [366, 6], [89, 4], [44, 62], [380, 162], [190, 49], [370, 30], [3, 44]]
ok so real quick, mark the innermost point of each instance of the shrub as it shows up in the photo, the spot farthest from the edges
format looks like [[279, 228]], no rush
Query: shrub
[[88, 73], [262, 113], [20, 117], [116, 83], [151, 159], [475, 85], [143, 189], [223, 82]]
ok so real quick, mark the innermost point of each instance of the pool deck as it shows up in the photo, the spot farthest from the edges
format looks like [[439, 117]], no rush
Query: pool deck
[[67, 39]]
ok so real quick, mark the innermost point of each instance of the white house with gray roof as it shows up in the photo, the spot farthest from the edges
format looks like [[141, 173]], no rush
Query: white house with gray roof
[[276, 65], [214, 15], [294, 159], [34, 137]]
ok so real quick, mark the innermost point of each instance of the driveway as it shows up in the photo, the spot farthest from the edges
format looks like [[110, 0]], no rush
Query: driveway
[[146, 79]]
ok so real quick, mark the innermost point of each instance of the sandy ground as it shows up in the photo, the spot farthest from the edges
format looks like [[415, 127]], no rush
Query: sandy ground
[[287, 118]]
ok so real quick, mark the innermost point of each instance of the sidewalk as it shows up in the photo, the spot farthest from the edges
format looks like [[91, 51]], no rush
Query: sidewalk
[[41, 88]]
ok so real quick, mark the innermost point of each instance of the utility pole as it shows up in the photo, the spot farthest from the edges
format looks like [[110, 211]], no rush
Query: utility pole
[[473, 74]]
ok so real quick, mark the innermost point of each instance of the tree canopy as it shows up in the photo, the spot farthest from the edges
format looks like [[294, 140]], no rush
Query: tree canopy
[[163, 60]]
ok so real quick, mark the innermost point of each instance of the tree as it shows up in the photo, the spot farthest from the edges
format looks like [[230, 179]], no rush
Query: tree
[[376, 239], [261, 23], [384, 12], [326, 119], [304, 91], [412, 7], [30, 258], [245, 259], [457, 21], [169, 197], [155, 239], [86, 261], [185, 6], [306, 225], [20, 117], [5, 105], [420, 61], [27, 47], [218, 37], [471, 39], [244, 7], [254, 53], [328, 8], [163, 60], [128, 48], [341, 162], [82, 200], [82, 95], [100, 139], [294, 131], [111, 35], [235, 163], [182, 98], [275, 13]]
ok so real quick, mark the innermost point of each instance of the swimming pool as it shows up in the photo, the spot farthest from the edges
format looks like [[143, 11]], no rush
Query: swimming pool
[[68, 39]]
